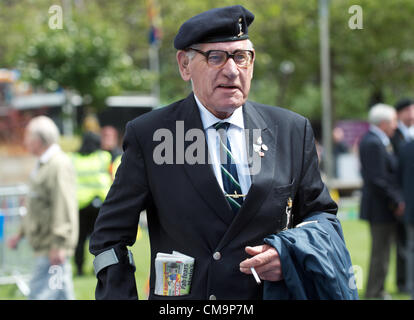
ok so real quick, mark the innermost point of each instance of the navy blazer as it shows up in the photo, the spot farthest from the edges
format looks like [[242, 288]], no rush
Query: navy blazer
[[315, 262], [406, 176], [187, 210], [380, 192]]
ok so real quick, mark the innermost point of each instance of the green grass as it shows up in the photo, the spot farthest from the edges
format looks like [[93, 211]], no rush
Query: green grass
[[85, 285], [356, 233], [358, 242]]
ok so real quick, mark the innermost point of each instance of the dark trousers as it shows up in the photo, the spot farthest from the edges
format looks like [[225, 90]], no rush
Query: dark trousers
[[87, 217], [401, 257], [382, 236], [410, 259]]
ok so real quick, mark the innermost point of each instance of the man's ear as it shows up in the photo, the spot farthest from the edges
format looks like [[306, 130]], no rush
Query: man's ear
[[183, 65]]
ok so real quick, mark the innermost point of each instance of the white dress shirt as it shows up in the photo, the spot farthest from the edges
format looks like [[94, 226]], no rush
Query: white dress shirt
[[381, 134], [236, 136], [405, 131], [45, 157]]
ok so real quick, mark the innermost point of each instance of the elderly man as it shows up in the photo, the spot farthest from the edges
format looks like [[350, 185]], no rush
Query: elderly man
[[406, 176], [402, 135], [51, 223], [405, 117], [382, 201], [216, 174]]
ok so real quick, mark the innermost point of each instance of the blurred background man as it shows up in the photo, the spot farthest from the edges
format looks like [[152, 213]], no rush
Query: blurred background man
[[94, 179], [110, 143], [402, 135], [406, 175], [405, 115], [51, 223], [382, 200]]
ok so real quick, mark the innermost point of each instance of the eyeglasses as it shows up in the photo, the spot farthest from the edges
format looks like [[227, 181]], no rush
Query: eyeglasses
[[218, 58]]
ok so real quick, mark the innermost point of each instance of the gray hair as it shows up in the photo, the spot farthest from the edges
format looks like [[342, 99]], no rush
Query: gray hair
[[191, 53], [381, 112], [45, 129]]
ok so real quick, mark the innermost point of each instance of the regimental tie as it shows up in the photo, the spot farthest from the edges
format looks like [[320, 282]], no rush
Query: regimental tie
[[229, 175]]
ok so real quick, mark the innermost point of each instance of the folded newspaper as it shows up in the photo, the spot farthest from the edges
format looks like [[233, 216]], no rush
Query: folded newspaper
[[173, 274]]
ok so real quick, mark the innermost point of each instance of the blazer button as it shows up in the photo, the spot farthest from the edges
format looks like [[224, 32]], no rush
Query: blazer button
[[217, 256], [212, 297]]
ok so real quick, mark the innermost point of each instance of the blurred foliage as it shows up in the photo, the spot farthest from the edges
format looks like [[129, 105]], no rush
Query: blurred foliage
[[103, 49], [85, 58]]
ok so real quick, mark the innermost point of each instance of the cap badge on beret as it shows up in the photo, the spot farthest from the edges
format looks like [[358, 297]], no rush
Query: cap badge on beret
[[241, 27]]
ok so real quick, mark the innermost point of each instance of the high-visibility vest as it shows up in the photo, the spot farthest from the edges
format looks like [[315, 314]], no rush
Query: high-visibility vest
[[115, 165], [93, 176]]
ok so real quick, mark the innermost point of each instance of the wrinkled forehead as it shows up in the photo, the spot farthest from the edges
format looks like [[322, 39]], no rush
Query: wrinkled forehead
[[227, 46]]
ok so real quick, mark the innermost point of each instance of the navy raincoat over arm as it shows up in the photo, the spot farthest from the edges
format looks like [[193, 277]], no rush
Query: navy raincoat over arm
[[315, 262]]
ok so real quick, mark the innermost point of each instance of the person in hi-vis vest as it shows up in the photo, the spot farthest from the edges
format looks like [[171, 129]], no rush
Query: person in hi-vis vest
[[94, 179]]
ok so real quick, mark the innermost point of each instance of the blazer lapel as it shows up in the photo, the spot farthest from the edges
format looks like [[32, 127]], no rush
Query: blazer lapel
[[262, 169], [201, 175]]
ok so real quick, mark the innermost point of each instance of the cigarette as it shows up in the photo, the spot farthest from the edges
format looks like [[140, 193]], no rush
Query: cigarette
[[256, 277]]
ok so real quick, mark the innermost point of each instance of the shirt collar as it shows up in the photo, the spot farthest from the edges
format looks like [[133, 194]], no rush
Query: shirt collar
[[404, 130], [381, 134], [48, 154], [208, 119]]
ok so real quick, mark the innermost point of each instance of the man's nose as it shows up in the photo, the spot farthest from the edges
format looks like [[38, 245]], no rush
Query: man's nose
[[230, 69]]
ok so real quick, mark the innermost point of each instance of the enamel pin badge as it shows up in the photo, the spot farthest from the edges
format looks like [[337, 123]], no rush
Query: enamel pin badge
[[259, 147], [288, 212]]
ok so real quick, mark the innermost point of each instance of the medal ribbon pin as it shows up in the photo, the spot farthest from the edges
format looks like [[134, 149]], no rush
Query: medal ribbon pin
[[259, 147]]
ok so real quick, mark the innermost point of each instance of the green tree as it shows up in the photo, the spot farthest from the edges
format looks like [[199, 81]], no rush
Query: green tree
[[83, 57]]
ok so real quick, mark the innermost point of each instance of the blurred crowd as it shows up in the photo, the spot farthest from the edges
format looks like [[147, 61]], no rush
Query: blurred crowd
[[386, 163], [66, 193]]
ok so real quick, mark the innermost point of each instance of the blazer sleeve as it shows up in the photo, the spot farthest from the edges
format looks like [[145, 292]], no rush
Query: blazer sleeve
[[117, 223], [312, 195]]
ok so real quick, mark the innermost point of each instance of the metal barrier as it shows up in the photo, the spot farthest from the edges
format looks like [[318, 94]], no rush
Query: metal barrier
[[15, 265]]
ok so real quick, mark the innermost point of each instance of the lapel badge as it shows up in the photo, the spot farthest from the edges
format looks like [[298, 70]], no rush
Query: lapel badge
[[256, 147], [259, 147], [288, 212]]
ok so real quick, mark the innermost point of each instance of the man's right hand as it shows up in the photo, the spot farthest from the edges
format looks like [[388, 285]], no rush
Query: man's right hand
[[13, 241]]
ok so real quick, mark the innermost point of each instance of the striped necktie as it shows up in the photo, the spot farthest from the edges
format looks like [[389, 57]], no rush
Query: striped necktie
[[228, 167]]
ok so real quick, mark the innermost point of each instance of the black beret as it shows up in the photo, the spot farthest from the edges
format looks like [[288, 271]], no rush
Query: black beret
[[403, 103], [215, 25]]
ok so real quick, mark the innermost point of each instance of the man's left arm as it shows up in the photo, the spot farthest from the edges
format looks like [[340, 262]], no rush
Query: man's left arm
[[64, 207], [312, 196]]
